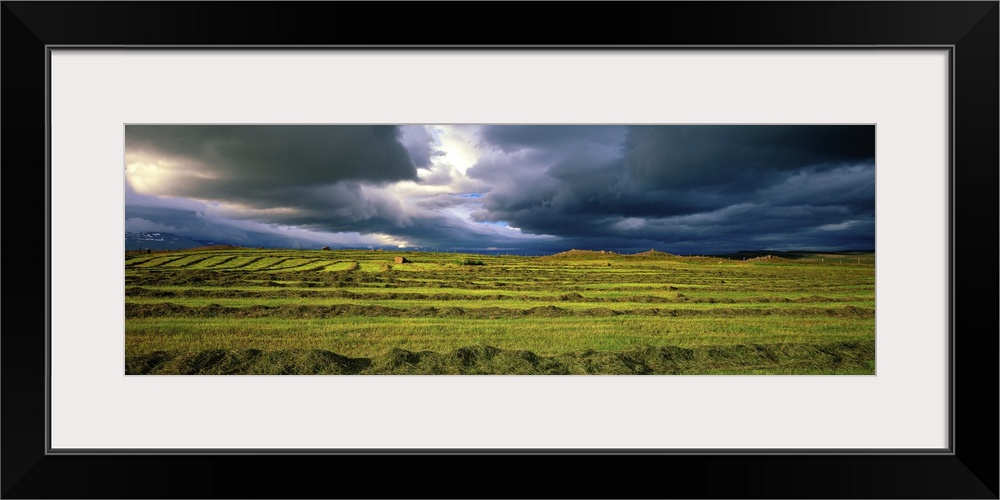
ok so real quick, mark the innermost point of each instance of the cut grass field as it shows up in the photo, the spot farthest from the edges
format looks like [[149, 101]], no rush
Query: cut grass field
[[249, 311]]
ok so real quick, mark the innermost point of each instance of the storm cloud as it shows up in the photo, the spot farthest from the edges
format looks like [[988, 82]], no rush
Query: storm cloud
[[518, 188], [695, 189], [250, 161]]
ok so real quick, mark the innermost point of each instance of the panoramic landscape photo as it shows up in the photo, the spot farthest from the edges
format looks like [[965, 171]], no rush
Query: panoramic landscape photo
[[499, 249]]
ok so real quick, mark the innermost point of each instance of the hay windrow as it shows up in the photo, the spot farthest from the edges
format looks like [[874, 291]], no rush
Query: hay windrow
[[486, 360], [317, 290], [170, 309]]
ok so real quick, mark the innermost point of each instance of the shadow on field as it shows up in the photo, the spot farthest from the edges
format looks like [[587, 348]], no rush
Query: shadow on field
[[834, 358]]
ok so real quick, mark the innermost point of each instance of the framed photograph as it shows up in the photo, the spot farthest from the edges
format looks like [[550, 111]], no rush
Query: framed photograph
[[500, 249], [723, 252]]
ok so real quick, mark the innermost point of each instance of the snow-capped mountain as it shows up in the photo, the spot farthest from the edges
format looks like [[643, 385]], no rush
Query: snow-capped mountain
[[161, 241]]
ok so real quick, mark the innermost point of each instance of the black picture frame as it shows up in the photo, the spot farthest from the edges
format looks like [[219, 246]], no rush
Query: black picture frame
[[970, 29]]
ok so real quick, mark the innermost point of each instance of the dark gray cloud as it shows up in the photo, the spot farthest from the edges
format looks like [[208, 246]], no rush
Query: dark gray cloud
[[739, 157], [510, 138], [250, 161], [695, 187]]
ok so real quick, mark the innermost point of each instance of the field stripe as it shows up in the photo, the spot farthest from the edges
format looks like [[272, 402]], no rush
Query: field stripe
[[856, 356], [160, 261], [333, 293], [269, 265], [158, 309], [298, 267], [193, 259], [140, 260], [309, 267], [245, 264], [221, 261]]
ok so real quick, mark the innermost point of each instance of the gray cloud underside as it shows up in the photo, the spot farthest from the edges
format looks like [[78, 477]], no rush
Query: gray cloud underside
[[248, 161], [719, 187], [197, 225], [438, 230]]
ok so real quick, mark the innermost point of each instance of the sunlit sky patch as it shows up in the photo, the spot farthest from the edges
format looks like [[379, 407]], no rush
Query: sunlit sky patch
[[529, 189]]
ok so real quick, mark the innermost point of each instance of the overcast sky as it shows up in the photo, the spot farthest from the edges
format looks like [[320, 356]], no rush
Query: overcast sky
[[696, 189]]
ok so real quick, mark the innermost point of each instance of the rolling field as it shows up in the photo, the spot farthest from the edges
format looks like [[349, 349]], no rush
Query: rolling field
[[248, 311]]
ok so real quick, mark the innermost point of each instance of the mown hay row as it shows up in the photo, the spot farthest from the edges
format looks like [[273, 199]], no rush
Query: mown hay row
[[221, 260], [157, 262], [238, 293], [838, 357], [242, 265], [164, 309], [190, 262]]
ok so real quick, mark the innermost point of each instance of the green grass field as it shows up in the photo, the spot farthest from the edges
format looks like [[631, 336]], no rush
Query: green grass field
[[248, 311]]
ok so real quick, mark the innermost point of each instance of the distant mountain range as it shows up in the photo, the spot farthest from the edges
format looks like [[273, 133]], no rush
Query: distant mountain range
[[162, 241]]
